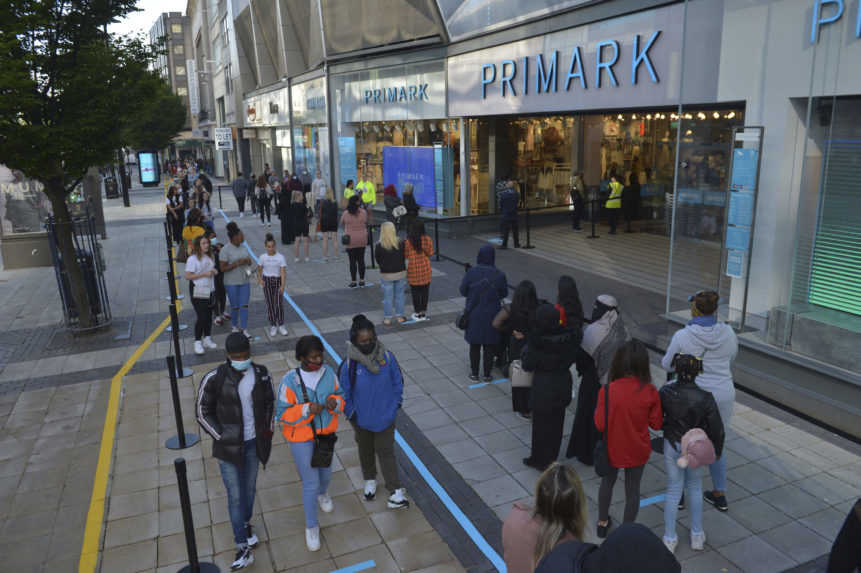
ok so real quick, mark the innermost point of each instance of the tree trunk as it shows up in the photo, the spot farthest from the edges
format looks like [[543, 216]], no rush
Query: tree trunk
[[77, 287]]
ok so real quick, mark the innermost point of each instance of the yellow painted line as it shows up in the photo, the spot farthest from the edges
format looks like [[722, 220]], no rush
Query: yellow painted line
[[95, 515]]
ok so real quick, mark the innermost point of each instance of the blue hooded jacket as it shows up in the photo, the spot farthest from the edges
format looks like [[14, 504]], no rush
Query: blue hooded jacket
[[374, 398], [484, 287]]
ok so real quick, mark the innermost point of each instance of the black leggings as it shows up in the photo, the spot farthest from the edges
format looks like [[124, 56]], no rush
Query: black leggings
[[420, 298], [475, 357], [240, 202], [265, 205], [357, 262], [203, 325], [633, 476]]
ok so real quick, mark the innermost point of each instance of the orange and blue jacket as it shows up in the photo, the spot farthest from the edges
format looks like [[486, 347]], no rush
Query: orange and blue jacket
[[292, 413]]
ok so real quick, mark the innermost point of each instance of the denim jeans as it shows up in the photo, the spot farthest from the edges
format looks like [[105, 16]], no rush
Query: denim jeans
[[241, 484], [239, 295], [679, 480], [315, 481], [393, 297], [718, 468]]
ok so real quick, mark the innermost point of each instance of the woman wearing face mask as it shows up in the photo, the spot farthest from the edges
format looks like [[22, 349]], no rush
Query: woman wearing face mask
[[601, 339], [200, 268], [373, 390], [236, 265], [235, 404], [309, 401]]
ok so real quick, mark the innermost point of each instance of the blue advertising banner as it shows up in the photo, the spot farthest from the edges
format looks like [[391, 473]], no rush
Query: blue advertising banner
[[738, 238], [414, 165], [741, 208], [347, 159], [735, 264], [149, 169], [744, 164]]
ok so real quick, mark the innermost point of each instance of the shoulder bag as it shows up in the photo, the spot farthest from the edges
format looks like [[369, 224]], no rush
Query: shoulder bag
[[324, 445], [602, 454], [462, 320], [520, 378]]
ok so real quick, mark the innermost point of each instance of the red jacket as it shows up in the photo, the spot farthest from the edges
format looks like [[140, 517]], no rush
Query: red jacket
[[633, 410]]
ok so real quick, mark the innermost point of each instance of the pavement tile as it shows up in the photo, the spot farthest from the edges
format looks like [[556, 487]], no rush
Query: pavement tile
[[452, 433], [460, 451], [792, 500], [379, 554], [755, 555], [396, 524], [479, 469], [797, 541], [132, 530], [498, 442], [827, 488], [755, 478], [290, 552], [758, 516], [826, 523], [172, 548], [708, 562], [720, 527], [481, 426], [350, 536], [500, 490], [130, 504], [420, 551]]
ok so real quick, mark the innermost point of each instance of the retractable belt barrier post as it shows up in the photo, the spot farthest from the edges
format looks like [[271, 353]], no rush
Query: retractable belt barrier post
[[436, 236], [171, 282], [371, 245], [194, 565], [177, 351], [181, 440], [592, 217], [528, 244]]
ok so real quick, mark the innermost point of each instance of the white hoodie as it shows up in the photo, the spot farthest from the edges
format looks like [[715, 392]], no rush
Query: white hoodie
[[717, 346]]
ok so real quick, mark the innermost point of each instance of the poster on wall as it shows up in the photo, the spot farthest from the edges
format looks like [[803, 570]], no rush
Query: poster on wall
[[23, 205], [402, 165], [149, 168], [347, 159], [744, 167]]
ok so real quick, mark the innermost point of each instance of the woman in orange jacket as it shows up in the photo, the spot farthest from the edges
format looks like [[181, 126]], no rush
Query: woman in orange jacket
[[308, 402]]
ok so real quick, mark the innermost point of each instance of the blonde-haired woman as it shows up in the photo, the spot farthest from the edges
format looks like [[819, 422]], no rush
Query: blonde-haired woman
[[530, 533], [299, 223], [389, 253], [329, 224]]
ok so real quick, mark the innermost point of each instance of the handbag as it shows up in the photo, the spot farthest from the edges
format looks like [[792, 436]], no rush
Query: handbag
[[324, 445], [345, 240], [462, 320], [203, 292], [601, 454], [399, 211], [520, 378]]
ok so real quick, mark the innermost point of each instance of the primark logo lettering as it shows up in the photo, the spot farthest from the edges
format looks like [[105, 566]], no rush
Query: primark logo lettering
[[514, 75], [416, 92]]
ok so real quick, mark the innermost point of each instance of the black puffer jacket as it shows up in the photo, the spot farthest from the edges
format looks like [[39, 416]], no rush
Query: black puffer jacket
[[550, 356], [687, 406], [390, 260], [219, 412]]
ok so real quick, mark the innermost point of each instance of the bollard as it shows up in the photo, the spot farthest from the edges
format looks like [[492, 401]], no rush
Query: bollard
[[529, 244], [371, 245], [592, 216], [220, 204], [171, 277], [181, 440], [194, 565], [172, 287], [174, 321], [436, 236]]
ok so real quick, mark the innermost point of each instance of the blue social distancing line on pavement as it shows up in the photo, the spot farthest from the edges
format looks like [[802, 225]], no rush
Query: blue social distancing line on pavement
[[483, 384], [357, 567], [432, 482], [653, 499]]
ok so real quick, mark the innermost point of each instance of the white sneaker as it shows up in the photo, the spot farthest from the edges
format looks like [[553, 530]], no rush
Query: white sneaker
[[262, 224], [398, 499], [272, 331], [235, 329], [325, 503], [241, 215], [244, 558], [198, 347], [282, 330], [698, 541], [415, 317], [312, 538], [247, 334], [307, 259], [325, 259], [370, 489], [209, 343], [251, 537], [296, 260], [670, 544], [269, 225]]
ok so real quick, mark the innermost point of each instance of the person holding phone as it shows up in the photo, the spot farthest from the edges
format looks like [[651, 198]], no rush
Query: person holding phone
[[236, 264]]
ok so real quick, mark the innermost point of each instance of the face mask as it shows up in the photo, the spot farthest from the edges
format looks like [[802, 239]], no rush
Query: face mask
[[241, 365], [366, 348], [311, 366], [213, 241]]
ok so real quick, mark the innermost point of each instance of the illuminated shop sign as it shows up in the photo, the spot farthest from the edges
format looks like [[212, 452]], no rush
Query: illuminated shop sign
[[828, 12], [418, 92], [514, 75]]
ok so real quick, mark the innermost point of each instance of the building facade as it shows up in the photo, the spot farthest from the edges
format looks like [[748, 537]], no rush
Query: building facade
[[172, 28]]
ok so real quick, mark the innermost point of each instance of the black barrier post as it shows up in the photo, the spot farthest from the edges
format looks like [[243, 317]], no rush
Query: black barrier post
[[593, 235], [371, 244], [529, 244], [436, 236], [173, 298], [220, 204], [194, 566], [181, 440], [177, 351], [173, 295]]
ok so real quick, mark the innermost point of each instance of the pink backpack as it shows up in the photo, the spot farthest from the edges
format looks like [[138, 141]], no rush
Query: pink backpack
[[697, 450]]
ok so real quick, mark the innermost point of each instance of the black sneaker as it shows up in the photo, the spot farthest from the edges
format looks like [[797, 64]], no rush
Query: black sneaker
[[352, 285], [244, 558], [719, 501], [682, 501], [602, 530], [473, 377], [487, 378], [252, 539]]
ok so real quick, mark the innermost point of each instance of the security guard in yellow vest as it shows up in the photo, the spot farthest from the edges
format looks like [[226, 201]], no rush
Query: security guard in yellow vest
[[366, 190], [614, 203]]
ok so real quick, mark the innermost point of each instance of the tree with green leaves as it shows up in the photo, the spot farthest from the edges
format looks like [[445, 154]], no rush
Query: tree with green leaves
[[70, 96]]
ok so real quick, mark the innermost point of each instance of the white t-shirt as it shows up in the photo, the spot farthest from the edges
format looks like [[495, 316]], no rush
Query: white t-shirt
[[311, 379], [272, 264], [246, 385], [196, 266]]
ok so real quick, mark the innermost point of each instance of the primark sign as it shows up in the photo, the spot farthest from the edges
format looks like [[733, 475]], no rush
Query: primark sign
[[627, 62], [406, 92]]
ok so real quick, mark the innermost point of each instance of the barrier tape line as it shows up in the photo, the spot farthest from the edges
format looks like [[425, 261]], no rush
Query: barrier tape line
[[432, 482]]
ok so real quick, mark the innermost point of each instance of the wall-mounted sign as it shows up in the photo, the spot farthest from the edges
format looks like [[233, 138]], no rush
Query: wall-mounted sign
[[149, 168], [309, 102], [413, 91], [224, 138], [631, 61], [193, 87], [270, 108], [828, 12]]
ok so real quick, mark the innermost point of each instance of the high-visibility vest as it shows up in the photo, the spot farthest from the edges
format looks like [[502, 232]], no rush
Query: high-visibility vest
[[369, 192], [614, 201]]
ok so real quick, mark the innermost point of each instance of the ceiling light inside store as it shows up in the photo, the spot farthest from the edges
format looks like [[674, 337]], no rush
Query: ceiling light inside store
[[649, 116], [621, 116], [701, 115], [432, 126], [716, 115], [633, 116], [730, 115], [443, 125], [689, 132]]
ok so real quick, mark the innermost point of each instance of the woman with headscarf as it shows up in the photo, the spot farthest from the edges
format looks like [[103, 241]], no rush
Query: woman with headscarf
[[549, 353], [601, 340], [411, 205], [484, 287], [515, 320], [391, 201], [287, 232]]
